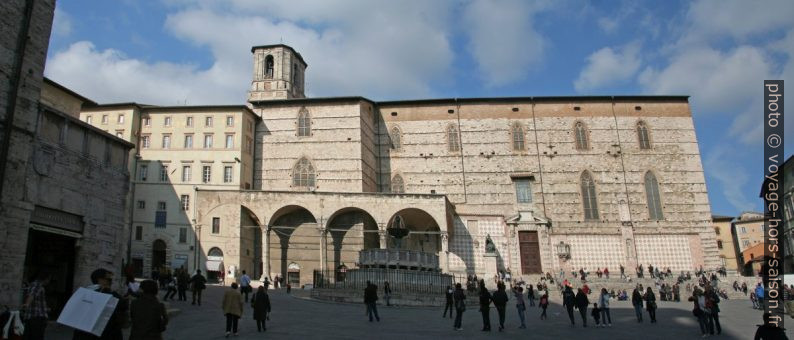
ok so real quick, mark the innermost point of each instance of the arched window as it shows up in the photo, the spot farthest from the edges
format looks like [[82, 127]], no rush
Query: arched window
[[581, 136], [453, 139], [397, 184], [589, 199], [215, 251], [518, 137], [295, 75], [304, 123], [303, 174], [396, 140], [654, 199], [269, 66], [643, 136]]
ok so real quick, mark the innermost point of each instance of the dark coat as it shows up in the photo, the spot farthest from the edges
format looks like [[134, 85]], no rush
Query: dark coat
[[568, 298], [650, 300], [449, 296], [581, 300], [636, 298], [261, 304], [485, 300], [460, 299], [198, 281], [499, 299], [370, 294], [147, 316]]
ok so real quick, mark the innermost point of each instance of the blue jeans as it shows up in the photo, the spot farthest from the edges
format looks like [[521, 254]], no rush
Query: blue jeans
[[638, 310], [606, 316], [372, 308], [521, 310]]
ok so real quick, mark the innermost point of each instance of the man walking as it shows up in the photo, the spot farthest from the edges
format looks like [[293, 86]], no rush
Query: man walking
[[245, 285], [198, 283], [36, 312], [499, 299], [370, 299], [449, 304], [569, 301]]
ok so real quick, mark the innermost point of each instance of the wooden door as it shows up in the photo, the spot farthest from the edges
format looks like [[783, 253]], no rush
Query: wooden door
[[529, 247]]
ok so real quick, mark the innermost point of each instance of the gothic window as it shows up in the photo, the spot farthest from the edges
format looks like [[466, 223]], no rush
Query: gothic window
[[453, 138], [303, 174], [397, 184], [269, 66], [652, 194], [518, 137], [589, 199], [643, 136], [396, 140], [304, 123], [581, 136]]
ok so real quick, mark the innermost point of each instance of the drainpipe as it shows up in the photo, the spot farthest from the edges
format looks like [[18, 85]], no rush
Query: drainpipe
[[462, 163]]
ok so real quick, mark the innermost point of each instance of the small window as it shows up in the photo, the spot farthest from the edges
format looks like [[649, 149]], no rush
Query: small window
[[182, 235], [719, 244], [396, 137], [580, 133], [164, 173], [523, 190], [120, 133], [188, 141], [184, 200], [227, 174], [643, 136], [160, 218], [189, 121], [167, 121], [104, 119], [186, 173], [161, 206], [518, 137], [397, 185], [229, 141], [121, 119], [304, 123], [141, 204], [453, 139], [746, 243], [216, 225], [206, 174], [147, 121], [138, 233], [744, 231], [144, 172], [208, 121], [229, 121], [269, 66], [88, 119], [145, 142], [208, 141], [166, 141], [717, 231]]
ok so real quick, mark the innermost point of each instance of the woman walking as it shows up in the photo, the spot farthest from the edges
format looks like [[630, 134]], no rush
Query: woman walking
[[520, 305], [460, 306], [650, 304], [147, 315], [387, 292], [485, 307], [603, 305], [636, 301], [699, 310], [569, 301], [499, 299], [582, 303], [544, 303], [531, 296], [261, 305], [232, 308]]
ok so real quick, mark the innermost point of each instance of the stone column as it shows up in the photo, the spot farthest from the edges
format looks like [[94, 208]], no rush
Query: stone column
[[384, 237], [323, 249], [265, 252], [443, 258]]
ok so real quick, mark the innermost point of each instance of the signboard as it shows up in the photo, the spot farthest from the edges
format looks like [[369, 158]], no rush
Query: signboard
[[56, 218], [88, 311]]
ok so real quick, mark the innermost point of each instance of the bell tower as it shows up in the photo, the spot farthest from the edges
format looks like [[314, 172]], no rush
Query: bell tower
[[278, 73]]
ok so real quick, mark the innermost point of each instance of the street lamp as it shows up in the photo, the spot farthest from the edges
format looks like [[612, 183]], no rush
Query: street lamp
[[563, 250]]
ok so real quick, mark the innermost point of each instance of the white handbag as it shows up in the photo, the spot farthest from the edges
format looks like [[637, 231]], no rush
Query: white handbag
[[14, 323]]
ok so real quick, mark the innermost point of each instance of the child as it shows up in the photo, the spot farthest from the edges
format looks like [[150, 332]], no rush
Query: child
[[596, 313], [544, 302]]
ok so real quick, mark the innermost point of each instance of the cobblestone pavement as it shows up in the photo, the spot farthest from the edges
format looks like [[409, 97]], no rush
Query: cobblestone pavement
[[297, 317]]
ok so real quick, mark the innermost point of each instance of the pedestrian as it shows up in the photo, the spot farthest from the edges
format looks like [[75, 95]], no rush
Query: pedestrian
[[581, 303], [133, 288], [636, 301], [182, 279], [460, 306], [499, 299], [245, 285], [485, 307], [35, 311], [449, 304], [170, 286], [700, 311], [531, 296], [102, 280], [198, 284], [650, 304], [233, 309], [520, 305], [370, 299], [260, 303], [387, 292], [603, 302], [759, 295], [713, 305], [596, 314], [544, 303], [148, 316], [569, 301]]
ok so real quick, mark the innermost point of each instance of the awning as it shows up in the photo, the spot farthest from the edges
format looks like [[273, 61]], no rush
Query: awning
[[215, 266]]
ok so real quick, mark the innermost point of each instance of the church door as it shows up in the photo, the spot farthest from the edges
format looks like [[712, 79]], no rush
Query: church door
[[530, 252]]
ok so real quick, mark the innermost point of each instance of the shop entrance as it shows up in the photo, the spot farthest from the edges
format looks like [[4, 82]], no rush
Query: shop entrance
[[53, 254]]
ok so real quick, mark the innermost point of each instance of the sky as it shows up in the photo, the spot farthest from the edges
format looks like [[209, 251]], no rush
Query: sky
[[197, 52]]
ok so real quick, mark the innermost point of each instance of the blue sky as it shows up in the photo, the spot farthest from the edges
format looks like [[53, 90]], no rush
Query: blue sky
[[171, 52]]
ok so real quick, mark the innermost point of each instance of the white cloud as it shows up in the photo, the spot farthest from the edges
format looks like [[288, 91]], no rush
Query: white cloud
[[607, 24], [736, 19], [502, 39], [720, 164], [607, 67], [62, 23]]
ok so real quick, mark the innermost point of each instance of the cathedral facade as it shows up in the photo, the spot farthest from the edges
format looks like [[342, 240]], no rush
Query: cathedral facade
[[558, 183]]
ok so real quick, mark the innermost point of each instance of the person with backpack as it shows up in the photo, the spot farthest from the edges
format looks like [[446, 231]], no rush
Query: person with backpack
[[569, 301], [198, 284], [460, 306], [544, 303], [499, 299], [485, 307], [636, 301], [581, 303], [603, 302]]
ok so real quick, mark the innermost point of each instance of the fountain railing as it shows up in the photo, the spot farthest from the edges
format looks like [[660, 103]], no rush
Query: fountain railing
[[397, 258]]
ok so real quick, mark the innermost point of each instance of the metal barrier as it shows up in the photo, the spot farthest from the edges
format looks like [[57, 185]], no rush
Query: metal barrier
[[400, 280]]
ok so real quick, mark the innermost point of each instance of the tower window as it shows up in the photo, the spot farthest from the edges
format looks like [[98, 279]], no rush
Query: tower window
[[396, 141], [581, 136], [269, 66], [643, 136], [589, 199], [518, 137], [453, 139], [653, 197], [397, 184], [304, 123]]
